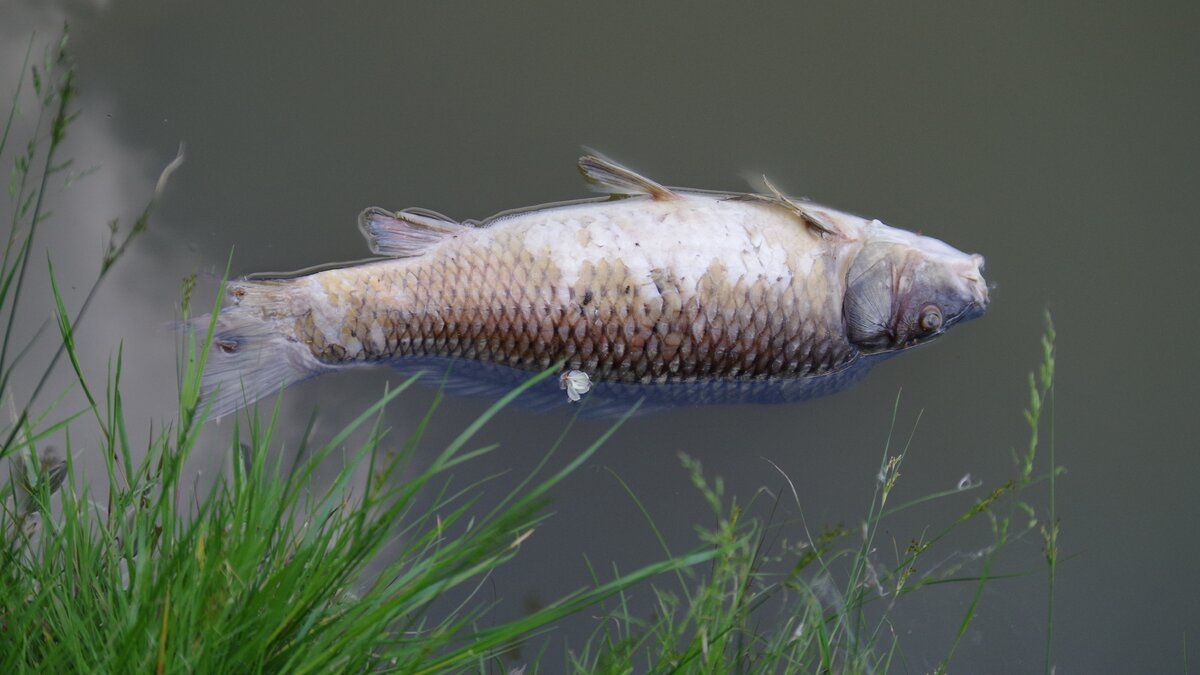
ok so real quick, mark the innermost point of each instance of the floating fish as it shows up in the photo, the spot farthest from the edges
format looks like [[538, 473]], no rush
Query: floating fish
[[678, 296]]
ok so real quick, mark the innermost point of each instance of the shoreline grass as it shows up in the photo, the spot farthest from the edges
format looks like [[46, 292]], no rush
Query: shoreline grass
[[264, 574]]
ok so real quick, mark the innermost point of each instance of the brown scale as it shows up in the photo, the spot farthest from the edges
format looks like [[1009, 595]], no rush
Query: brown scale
[[501, 305]]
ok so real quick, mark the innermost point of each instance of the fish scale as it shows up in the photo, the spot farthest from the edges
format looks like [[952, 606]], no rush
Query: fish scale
[[477, 308]]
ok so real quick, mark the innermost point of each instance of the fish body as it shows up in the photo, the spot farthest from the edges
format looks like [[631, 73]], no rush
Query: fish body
[[653, 290]]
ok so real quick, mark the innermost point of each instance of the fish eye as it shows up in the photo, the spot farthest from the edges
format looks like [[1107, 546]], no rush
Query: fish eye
[[931, 318]]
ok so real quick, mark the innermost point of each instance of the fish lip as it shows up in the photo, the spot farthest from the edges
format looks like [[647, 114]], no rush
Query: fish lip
[[971, 311]]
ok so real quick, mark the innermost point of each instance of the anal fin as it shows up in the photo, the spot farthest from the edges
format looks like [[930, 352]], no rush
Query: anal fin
[[406, 233]]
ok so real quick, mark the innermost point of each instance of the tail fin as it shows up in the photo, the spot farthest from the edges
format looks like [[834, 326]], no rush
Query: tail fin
[[254, 352]]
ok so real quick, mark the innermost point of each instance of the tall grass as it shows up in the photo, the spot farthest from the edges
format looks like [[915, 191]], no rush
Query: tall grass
[[783, 599], [265, 573], [261, 573]]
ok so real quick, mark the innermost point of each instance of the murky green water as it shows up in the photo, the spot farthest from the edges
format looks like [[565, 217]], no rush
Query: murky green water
[[1059, 142]]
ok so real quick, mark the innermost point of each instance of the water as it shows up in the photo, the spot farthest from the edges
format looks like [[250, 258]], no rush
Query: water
[[1059, 141]]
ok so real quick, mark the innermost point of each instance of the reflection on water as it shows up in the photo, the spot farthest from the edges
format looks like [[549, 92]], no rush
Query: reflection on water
[[1059, 141]]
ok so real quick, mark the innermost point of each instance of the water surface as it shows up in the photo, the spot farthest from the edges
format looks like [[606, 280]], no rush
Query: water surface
[[1060, 142]]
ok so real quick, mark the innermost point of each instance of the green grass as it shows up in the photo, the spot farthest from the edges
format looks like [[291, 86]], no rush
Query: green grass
[[781, 599], [266, 572]]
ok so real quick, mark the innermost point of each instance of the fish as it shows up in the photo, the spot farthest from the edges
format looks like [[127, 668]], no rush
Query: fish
[[672, 296]]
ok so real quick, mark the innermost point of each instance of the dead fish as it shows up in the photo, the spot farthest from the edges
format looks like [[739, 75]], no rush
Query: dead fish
[[682, 295]]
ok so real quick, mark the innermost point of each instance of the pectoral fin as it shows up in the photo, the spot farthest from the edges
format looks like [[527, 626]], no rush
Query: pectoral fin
[[606, 175], [406, 233], [809, 217]]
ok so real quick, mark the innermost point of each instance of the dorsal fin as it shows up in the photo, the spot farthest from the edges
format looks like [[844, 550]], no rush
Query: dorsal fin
[[806, 215], [606, 175], [407, 233]]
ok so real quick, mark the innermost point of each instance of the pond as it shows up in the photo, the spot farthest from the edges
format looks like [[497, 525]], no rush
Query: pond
[[1059, 142]]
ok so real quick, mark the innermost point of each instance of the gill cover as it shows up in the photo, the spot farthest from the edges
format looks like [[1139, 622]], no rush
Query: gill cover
[[869, 303]]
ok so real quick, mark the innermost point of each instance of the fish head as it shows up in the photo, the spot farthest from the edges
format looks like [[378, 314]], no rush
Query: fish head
[[904, 289]]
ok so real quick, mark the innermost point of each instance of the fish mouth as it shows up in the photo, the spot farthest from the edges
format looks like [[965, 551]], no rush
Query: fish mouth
[[974, 310]]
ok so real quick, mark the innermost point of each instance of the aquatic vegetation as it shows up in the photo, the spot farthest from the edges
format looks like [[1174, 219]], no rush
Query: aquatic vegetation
[[266, 573]]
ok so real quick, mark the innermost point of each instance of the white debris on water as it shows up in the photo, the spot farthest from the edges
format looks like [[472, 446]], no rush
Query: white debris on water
[[576, 382]]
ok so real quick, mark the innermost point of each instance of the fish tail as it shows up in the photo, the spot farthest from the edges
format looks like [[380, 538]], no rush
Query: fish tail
[[254, 352]]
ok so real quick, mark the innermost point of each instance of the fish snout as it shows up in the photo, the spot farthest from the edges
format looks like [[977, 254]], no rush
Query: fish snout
[[977, 286]]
